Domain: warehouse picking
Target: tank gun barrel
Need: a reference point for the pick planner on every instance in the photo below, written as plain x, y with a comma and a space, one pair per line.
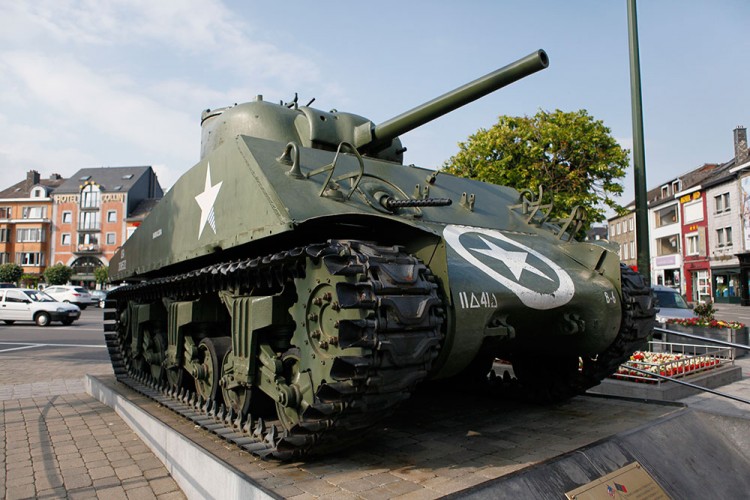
381, 134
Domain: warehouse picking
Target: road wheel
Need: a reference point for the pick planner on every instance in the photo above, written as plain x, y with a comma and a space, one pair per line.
42, 319
207, 376
9, 321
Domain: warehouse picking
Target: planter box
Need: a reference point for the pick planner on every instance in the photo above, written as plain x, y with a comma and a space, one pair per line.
738, 336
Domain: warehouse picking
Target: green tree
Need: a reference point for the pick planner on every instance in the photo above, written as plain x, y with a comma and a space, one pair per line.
30, 280
101, 274
570, 154
59, 274
10, 273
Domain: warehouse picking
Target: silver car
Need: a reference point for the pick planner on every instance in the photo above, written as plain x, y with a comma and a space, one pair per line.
21, 304
671, 305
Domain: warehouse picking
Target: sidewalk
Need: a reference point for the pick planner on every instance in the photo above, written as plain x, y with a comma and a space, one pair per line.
59, 442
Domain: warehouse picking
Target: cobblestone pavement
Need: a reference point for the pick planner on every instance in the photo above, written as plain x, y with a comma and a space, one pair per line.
59, 442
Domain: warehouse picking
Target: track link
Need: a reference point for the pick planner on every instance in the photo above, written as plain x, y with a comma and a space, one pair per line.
399, 339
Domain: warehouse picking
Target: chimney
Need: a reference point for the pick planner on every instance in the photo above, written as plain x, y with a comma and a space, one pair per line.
55, 177
32, 178
741, 154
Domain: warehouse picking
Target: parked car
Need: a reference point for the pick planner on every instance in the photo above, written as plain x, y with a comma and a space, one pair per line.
74, 294
8, 285
671, 305
100, 296
22, 304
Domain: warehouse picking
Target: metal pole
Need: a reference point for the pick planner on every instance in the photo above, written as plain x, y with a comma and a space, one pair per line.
639, 159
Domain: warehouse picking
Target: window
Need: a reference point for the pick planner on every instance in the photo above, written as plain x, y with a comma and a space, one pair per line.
6, 213
65, 240
33, 234
624, 252
4, 235
30, 258
722, 203
632, 250
630, 223
90, 196
664, 191
724, 237
88, 220
34, 212
67, 217
4, 257
127, 176
676, 186
668, 245
611, 231
619, 228
691, 244
88, 241
693, 211
111, 238
666, 216
15, 296
111, 216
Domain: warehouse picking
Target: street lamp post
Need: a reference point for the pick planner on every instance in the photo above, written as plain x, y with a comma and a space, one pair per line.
639, 160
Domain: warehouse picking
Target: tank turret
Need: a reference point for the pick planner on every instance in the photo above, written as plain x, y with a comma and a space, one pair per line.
312, 127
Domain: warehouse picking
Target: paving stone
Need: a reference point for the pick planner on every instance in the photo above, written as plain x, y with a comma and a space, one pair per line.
101, 472
83, 493
18, 492
112, 493
141, 493
127, 472
163, 485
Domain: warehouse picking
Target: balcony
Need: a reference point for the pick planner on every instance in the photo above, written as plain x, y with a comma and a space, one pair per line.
89, 227
87, 249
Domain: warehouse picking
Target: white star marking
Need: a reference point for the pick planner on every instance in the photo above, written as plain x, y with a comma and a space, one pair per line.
514, 261
206, 201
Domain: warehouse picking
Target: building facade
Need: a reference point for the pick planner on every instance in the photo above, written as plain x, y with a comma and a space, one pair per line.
696, 266
26, 225
90, 213
622, 232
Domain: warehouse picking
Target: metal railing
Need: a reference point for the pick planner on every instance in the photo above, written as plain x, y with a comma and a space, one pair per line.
665, 377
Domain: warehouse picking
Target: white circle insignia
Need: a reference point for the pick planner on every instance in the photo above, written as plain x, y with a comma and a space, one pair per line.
515, 261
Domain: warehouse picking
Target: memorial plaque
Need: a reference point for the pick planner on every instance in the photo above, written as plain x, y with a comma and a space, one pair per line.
631, 481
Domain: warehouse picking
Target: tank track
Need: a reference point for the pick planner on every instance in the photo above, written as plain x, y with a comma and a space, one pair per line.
402, 335
563, 381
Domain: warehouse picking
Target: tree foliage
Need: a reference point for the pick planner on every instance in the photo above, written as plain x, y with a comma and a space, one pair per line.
10, 273
101, 274
572, 155
59, 274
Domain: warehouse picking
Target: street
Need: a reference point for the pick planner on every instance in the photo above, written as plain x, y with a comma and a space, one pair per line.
54, 351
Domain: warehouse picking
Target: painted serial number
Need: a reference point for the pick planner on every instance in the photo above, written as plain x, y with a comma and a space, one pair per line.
477, 300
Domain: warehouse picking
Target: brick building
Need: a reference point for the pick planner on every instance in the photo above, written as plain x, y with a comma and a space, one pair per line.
26, 222
90, 215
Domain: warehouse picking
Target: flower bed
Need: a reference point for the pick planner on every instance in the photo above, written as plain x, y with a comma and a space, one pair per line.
705, 323
667, 364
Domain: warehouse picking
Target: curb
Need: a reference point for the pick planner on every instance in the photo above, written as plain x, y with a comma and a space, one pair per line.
198, 472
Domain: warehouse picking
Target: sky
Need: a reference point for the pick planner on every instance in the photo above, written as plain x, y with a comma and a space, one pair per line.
90, 83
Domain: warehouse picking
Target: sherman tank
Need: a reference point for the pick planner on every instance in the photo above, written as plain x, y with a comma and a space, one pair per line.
299, 282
